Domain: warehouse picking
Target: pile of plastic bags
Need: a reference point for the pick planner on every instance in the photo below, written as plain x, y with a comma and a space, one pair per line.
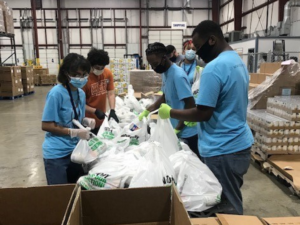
128, 157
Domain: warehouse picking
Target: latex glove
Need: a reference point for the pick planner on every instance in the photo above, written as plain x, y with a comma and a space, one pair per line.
177, 131
113, 115
160, 92
145, 113
100, 115
164, 111
80, 133
190, 124
89, 122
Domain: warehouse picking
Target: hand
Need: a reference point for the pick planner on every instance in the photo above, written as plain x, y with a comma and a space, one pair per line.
113, 115
164, 111
177, 131
89, 122
80, 133
100, 115
145, 113
190, 124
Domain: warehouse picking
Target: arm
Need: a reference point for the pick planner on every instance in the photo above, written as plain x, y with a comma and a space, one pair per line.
90, 109
157, 104
52, 127
112, 99
196, 114
188, 104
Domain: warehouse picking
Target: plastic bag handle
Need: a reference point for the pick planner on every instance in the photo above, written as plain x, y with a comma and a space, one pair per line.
78, 124
151, 113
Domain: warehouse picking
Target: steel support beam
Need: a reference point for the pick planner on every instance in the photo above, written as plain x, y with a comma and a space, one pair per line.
60, 41
281, 4
238, 4
225, 3
35, 31
216, 11
141, 48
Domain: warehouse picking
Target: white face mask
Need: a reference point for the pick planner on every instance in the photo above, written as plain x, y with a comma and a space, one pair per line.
98, 72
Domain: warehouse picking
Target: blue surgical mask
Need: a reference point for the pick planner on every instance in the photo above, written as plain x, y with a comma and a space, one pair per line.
78, 82
190, 54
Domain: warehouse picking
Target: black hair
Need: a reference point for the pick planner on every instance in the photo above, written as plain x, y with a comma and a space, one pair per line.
156, 48
98, 57
170, 49
71, 63
207, 28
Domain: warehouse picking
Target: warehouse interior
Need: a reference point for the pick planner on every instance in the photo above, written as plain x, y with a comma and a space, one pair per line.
37, 35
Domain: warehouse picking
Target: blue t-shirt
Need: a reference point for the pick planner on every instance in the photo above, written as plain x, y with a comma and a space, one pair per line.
189, 70
58, 109
224, 86
176, 87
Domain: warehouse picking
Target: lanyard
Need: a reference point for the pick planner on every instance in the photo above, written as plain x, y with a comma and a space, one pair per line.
72, 101
188, 72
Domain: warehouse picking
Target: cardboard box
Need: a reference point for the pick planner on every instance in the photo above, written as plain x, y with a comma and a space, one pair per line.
134, 206
10, 73
26, 72
145, 80
42, 71
270, 67
8, 17
36, 205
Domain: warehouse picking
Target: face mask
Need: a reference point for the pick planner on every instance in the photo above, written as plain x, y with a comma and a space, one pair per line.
205, 52
78, 82
173, 58
160, 68
98, 72
190, 54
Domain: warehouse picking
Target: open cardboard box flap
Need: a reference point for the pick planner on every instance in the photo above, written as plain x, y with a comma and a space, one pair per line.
136, 206
46, 205
282, 221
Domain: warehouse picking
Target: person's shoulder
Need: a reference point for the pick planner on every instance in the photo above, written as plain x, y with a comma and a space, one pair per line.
81, 92
58, 91
107, 71
177, 70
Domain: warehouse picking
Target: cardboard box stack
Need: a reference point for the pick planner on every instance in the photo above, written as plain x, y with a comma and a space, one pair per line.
53, 78
10, 81
145, 81
8, 17
37, 73
27, 79
266, 71
120, 69
2, 23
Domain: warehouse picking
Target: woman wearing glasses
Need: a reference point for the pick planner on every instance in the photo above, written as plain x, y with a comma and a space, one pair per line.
65, 102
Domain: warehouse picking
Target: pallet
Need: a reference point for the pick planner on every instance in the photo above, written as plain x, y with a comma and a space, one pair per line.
29, 93
45, 84
11, 97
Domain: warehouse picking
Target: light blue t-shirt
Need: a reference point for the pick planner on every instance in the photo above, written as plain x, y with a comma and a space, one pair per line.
224, 86
176, 87
58, 109
189, 70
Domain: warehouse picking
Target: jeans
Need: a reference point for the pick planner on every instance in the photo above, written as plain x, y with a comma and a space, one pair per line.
229, 170
192, 142
62, 171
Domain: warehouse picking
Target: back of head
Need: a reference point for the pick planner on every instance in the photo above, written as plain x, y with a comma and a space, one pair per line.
98, 57
71, 64
207, 28
156, 48
170, 49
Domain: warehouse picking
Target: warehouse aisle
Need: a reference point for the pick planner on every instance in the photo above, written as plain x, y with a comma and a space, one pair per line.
21, 161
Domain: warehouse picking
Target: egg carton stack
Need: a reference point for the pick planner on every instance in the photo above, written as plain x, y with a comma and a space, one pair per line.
287, 107
120, 69
274, 133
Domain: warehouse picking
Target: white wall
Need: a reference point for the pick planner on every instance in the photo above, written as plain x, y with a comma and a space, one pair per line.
156, 19
243, 47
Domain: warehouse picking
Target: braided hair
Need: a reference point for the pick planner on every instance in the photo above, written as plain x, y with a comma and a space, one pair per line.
156, 48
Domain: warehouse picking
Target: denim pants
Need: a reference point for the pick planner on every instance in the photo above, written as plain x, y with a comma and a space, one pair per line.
62, 171
229, 170
192, 142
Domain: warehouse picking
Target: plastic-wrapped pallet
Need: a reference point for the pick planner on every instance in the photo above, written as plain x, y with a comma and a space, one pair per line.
145, 81
287, 107
2, 24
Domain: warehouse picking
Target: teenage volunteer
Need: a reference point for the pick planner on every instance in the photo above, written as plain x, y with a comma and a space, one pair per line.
173, 55
225, 138
176, 91
65, 102
99, 87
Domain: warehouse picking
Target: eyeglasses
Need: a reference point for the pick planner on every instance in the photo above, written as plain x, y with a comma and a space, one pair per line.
79, 75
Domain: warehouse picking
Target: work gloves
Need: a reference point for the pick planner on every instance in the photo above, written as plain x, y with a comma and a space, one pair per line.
113, 115
145, 113
164, 111
89, 122
100, 115
80, 133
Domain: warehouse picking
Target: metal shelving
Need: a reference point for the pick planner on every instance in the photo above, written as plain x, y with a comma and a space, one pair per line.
13, 46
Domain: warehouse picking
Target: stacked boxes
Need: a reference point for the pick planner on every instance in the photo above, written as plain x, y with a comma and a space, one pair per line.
145, 81
53, 78
37, 73
11, 81
27, 79
120, 69
8, 17
2, 23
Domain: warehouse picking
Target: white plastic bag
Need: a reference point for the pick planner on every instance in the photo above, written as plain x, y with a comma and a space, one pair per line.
197, 185
131, 101
145, 102
154, 169
126, 116
165, 135
109, 129
196, 81
119, 103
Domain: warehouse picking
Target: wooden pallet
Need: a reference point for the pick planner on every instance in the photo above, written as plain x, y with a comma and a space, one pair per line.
45, 84
11, 97
29, 93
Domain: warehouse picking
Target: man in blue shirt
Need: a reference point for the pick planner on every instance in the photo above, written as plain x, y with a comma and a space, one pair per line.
177, 92
225, 139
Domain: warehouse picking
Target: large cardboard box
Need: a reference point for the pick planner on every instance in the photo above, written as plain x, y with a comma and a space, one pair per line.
7, 17
145, 81
27, 72
42, 71
136, 206
36, 205
10, 90
270, 67
10, 74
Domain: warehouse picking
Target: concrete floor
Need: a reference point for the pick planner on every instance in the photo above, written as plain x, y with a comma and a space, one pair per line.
21, 161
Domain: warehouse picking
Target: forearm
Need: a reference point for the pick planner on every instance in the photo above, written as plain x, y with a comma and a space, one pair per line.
89, 109
189, 115
157, 104
55, 129
189, 103
112, 99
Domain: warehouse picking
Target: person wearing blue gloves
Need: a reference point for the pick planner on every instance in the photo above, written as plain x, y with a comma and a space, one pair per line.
176, 92
225, 139
65, 102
